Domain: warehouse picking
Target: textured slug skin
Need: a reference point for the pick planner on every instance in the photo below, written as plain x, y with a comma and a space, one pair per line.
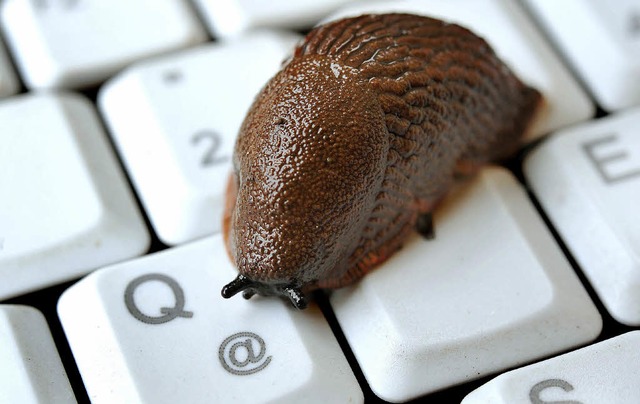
359, 134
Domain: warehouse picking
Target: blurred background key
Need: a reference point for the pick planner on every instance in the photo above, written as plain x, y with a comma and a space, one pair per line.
9, 84
78, 43
65, 207
30, 367
601, 41
232, 17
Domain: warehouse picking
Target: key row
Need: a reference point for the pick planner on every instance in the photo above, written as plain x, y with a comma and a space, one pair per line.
31, 370
183, 109
599, 42
493, 291
91, 48
175, 135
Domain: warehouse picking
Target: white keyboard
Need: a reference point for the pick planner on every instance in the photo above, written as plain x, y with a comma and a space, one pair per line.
117, 125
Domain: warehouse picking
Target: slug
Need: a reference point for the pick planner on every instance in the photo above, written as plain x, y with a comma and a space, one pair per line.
352, 144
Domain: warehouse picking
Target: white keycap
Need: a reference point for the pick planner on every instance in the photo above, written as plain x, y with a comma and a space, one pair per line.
65, 207
8, 80
490, 292
30, 367
156, 330
76, 43
607, 372
515, 39
232, 17
601, 40
175, 120
587, 180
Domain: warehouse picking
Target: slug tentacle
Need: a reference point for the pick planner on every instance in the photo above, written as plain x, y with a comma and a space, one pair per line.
296, 297
241, 283
348, 149
250, 288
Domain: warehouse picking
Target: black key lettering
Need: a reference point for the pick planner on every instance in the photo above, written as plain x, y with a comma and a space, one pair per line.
600, 162
172, 76
536, 391
168, 313
211, 155
43, 5
243, 353
634, 23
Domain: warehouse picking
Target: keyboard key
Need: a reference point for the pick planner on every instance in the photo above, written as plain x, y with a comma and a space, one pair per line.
232, 17
490, 292
175, 120
134, 326
65, 207
515, 39
30, 367
8, 81
607, 372
77, 43
587, 179
601, 42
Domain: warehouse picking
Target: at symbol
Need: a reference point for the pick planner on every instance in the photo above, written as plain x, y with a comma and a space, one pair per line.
243, 353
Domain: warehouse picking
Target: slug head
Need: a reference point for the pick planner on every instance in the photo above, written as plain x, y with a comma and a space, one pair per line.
308, 163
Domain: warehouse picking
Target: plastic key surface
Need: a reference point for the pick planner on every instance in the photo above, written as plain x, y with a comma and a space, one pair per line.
77, 43
30, 367
162, 318
515, 39
175, 119
601, 41
607, 372
490, 292
65, 207
233, 17
8, 80
587, 179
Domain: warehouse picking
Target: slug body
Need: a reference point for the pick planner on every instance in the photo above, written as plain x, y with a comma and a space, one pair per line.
352, 144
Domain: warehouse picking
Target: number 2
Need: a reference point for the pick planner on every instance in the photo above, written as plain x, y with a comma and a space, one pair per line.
211, 155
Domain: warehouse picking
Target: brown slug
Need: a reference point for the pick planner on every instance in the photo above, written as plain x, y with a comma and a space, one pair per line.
352, 144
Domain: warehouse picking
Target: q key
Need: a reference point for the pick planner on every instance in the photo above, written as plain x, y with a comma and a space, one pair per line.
134, 325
